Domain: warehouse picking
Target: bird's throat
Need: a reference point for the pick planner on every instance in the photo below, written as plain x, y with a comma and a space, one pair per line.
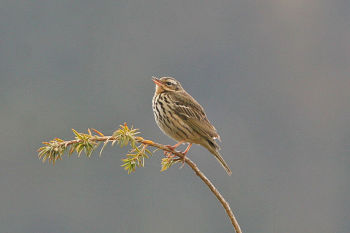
159, 89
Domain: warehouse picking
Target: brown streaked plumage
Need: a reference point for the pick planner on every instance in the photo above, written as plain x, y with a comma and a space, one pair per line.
182, 118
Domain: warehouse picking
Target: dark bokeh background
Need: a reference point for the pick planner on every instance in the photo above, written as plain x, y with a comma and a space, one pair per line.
272, 75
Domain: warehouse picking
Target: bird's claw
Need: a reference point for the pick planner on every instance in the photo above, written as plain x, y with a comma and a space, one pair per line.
169, 154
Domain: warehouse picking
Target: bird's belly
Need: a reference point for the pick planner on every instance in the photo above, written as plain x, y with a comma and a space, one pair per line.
172, 125
172, 133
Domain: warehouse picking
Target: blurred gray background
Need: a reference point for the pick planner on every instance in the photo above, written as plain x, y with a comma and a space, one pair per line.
272, 75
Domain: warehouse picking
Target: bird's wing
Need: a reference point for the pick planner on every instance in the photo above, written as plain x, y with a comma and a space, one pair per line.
193, 114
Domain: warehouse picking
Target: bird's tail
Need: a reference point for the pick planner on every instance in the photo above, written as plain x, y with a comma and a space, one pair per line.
213, 147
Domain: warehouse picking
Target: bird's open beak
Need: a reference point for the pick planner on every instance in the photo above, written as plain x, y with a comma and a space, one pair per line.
156, 81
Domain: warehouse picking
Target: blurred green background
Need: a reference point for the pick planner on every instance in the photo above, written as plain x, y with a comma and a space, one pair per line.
272, 75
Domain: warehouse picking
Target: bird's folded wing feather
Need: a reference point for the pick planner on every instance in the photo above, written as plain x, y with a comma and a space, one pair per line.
193, 114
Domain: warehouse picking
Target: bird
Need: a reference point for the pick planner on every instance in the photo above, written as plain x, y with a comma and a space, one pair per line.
183, 119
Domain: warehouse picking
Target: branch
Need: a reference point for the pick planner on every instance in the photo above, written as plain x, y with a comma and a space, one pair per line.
198, 172
55, 149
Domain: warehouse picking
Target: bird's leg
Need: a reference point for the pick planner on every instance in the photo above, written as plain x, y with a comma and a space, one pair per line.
168, 154
187, 149
175, 146
184, 153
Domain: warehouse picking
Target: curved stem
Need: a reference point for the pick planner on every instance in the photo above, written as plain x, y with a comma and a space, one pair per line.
199, 173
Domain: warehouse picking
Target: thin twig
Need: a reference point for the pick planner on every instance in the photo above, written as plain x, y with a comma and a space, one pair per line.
198, 172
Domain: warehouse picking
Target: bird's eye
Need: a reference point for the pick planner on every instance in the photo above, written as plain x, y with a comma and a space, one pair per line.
168, 83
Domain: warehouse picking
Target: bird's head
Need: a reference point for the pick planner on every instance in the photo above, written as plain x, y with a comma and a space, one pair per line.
167, 84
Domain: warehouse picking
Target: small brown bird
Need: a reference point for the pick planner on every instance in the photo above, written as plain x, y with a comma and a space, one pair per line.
182, 118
